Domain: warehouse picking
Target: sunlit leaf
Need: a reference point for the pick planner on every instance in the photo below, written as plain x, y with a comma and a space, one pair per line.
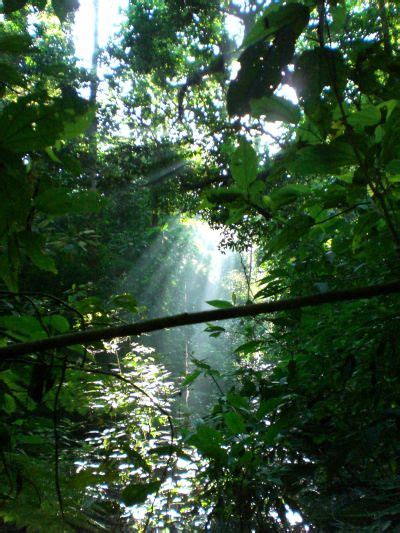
275, 108
190, 378
249, 347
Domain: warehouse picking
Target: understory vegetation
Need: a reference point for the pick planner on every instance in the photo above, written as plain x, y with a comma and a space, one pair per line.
240, 153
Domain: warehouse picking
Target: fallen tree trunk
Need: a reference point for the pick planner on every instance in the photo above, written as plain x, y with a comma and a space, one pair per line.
90, 336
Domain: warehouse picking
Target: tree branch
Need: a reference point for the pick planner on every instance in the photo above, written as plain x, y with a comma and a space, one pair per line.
95, 335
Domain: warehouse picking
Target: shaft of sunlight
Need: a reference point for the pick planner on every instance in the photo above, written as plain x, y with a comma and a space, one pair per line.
110, 18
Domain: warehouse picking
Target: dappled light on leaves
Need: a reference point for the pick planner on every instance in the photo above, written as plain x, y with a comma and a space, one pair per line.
199, 266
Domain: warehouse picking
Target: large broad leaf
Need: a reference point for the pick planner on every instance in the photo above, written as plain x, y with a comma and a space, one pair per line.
263, 63
59, 201
208, 441
33, 245
370, 115
125, 301
9, 6
316, 69
235, 423
237, 401
339, 16
63, 7
77, 123
85, 478
249, 347
32, 123
191, 377
288, 194
137, 493
219, 304
275, 108
391, 139
15, 43
292, 232
58, 323
262, 70
10, 75
323, 159
15, 194
276, 17
23, 326
244, 165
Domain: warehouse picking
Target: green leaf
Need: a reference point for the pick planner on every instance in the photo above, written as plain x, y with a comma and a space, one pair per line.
391, 139
63, 7
323, 159
15, 43
169, 450
235, 423
60, 201
339, 15
190, 378
35, 123
249, 347
393, 167
289, 194
24, 326
37, 440
273, 431
50, 152
9, 6
368, 116
261, 72
54, 201
293, 231
236, 400
208, 441
275, 108
136, 458
211, 328
313, 73
126, 301
244, 165
33, 244
10, 75
215, 331
77, 123
274, 18
85, 202
220, 304
9, 404
268, 406
136, 493
85, 478
201, 364
58, 323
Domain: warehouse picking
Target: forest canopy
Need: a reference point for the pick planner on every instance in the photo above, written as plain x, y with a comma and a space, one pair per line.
232, 167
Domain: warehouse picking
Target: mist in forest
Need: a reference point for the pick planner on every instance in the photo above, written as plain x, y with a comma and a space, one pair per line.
180, 272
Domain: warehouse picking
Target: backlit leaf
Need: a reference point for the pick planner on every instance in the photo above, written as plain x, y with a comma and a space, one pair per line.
244, 165
275, 108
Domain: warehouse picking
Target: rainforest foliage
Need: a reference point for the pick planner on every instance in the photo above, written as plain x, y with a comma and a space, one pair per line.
277, 123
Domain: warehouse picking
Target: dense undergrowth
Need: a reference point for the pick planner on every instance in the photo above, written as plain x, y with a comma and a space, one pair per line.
286, 143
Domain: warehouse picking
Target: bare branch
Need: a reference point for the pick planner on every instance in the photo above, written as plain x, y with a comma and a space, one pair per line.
95, 335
